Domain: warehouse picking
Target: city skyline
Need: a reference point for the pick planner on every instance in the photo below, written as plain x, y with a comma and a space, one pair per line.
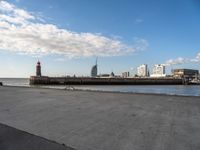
67, 36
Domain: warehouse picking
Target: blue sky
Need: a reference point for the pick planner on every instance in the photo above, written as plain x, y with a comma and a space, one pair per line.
68, 35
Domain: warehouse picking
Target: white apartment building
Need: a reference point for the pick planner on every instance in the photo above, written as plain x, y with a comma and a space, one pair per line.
158, 71
142, 70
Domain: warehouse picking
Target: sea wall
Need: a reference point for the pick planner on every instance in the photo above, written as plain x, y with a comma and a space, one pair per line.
34, 80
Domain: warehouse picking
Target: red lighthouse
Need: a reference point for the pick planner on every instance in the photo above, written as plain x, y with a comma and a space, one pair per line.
38, 69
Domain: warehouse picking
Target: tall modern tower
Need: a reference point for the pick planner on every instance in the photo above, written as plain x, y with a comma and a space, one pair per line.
158, 70
38, 69
142, 70
94, 70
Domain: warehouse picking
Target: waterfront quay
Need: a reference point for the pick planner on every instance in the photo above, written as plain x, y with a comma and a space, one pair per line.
44, 80
87, 120
181, 76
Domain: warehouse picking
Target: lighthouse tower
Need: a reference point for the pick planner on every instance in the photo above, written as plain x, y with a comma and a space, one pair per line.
38, 69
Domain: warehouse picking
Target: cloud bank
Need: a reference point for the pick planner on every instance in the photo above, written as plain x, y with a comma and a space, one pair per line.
23, 32
181, 60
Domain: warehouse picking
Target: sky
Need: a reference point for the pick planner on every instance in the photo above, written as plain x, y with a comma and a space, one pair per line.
67, 36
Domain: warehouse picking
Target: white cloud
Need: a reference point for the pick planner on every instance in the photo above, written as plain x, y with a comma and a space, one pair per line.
138, 21
181, 60
6, 6
23, 14
198, 56
140, 44
59, 59
23, 32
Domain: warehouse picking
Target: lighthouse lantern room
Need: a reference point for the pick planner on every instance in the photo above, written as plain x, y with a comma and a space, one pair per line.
38, 69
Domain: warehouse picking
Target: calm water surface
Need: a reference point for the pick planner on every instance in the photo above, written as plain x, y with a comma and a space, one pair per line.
190, 90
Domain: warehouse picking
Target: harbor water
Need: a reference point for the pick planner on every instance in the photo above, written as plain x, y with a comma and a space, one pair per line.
186, 90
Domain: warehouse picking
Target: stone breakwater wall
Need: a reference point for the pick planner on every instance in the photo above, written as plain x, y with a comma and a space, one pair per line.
44, 80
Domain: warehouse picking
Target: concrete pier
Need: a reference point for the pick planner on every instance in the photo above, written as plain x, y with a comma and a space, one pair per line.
44, 80
104, 120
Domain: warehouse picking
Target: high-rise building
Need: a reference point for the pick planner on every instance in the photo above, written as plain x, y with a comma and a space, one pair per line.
158, 70
142, 70
94, 70
38, 69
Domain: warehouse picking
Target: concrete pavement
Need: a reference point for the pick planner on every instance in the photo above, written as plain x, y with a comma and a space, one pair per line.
14, 139
104, 121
